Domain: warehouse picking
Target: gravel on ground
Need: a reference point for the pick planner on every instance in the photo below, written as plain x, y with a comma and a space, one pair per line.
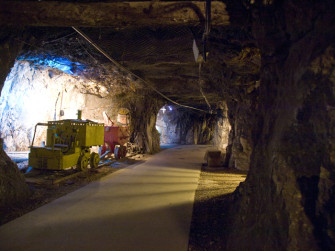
211, 201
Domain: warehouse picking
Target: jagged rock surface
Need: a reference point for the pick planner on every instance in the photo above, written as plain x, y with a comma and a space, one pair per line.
13, 188
240, 141
143, 109
33, 94
287, 199
282, 126
222, 128
182, 126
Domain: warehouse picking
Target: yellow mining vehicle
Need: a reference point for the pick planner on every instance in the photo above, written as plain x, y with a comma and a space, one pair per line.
68, 144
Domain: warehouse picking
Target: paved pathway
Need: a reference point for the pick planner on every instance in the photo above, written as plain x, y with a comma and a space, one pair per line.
142, 207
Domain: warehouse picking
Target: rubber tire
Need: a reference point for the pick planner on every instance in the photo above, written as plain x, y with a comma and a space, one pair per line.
116, 152
82, 163
120, 152
94, 160
123, 151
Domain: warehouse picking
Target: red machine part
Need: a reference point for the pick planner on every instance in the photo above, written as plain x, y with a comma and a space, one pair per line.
116, 135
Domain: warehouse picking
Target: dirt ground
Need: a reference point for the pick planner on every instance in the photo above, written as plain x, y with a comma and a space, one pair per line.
211, 198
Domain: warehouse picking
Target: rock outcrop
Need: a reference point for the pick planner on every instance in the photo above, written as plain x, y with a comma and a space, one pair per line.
33, 94
143, 107
222, 128
167, 125
287, 200
242, 119
13, 188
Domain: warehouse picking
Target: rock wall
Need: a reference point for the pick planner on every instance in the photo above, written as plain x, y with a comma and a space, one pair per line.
33, 94
143, 107
177, 125
13, 188
233, 74
10, 46
222, 128
202, 129
240, 145
167, 125
287, 201
233, 131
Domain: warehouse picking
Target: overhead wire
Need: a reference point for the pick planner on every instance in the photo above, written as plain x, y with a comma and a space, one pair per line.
116, 63
201, 91
57, 39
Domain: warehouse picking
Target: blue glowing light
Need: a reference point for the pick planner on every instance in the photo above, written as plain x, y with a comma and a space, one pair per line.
170, 107
59, 63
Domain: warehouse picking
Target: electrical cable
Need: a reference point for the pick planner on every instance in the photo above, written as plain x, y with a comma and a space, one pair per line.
57, 39
201, 91
131, 73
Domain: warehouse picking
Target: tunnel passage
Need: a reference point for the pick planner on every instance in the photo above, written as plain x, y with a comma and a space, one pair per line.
227, 130
178, 125
273, 65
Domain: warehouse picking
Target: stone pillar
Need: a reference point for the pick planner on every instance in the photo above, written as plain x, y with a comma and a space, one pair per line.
143, 114
287, 201
240, 143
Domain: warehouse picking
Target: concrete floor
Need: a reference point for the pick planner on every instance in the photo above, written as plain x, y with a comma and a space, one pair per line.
142, 207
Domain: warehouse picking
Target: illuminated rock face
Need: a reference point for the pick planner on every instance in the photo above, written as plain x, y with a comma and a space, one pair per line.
177, 125
33, 94
167, 125
241, 118
222, 130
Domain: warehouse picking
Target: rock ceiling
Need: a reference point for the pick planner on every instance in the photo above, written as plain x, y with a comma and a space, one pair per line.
154, 40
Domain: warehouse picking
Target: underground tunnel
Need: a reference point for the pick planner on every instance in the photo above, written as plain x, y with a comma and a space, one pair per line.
252, 80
